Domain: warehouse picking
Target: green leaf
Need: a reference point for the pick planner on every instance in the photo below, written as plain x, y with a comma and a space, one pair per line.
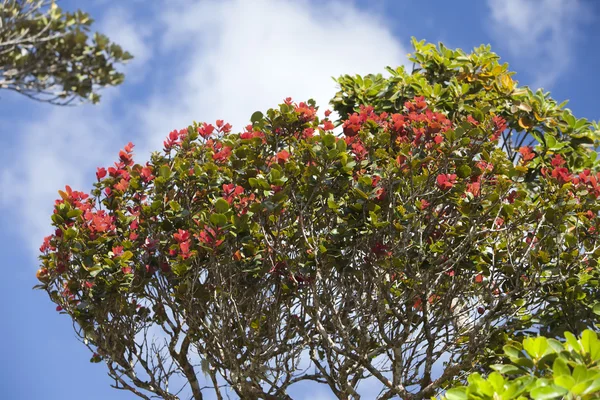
593, 387
506, 369
221, 205
590, 343
459, 393
560, 367
497, 382
464, 171
256, 116
536, 347
218, 219
164, 171
95, 270
328, 140
174, 206
547, 393
512, 352
573, 342
565, 381
74, 213
70, 234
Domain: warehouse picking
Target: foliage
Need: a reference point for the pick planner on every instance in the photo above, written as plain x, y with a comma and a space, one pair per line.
462, 84
407, 249
541, 369
49, 55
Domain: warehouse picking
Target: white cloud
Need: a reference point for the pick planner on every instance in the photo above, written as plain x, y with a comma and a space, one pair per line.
541, 32
118, 25
54, 151
246, 56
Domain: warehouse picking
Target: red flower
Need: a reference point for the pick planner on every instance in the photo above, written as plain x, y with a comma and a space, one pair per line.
100, 173
282, 156
352, 125
446, 181
500, 126
206, 130
185, 248
478, 278
424, 204
474, 188
527, 153
307, 113
223, 154
125, 155
380, 250
231, 191
209, 237
328, 125
117, 251
561, 174
472, 121
327, 113
417, 305
225, 128
122, 185
181, 235
172, 140
359, 150
146, 174
557, 160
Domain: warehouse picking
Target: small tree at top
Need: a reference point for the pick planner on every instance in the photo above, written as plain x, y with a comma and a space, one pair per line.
453, 213
49, 55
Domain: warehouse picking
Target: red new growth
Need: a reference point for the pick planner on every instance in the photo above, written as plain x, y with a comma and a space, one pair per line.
223, 154
282, 156
231, 191
206, 130
307, 113
146, 174
328, 125
181, 235
527, 153
446, 181
557, 160
100, 173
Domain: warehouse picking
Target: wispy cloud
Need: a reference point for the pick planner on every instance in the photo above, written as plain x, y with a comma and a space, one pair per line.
242, 56
541, 32
118, 24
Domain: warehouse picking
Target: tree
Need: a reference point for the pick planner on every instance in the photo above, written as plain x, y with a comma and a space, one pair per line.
49, 55
452, 215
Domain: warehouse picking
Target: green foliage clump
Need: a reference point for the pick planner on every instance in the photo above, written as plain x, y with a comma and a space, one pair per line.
50, 55
540, 369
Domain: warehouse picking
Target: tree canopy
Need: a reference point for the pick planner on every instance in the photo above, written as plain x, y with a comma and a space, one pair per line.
450, 214
50, 55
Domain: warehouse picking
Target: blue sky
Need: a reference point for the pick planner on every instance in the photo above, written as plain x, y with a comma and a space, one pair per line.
203, 60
